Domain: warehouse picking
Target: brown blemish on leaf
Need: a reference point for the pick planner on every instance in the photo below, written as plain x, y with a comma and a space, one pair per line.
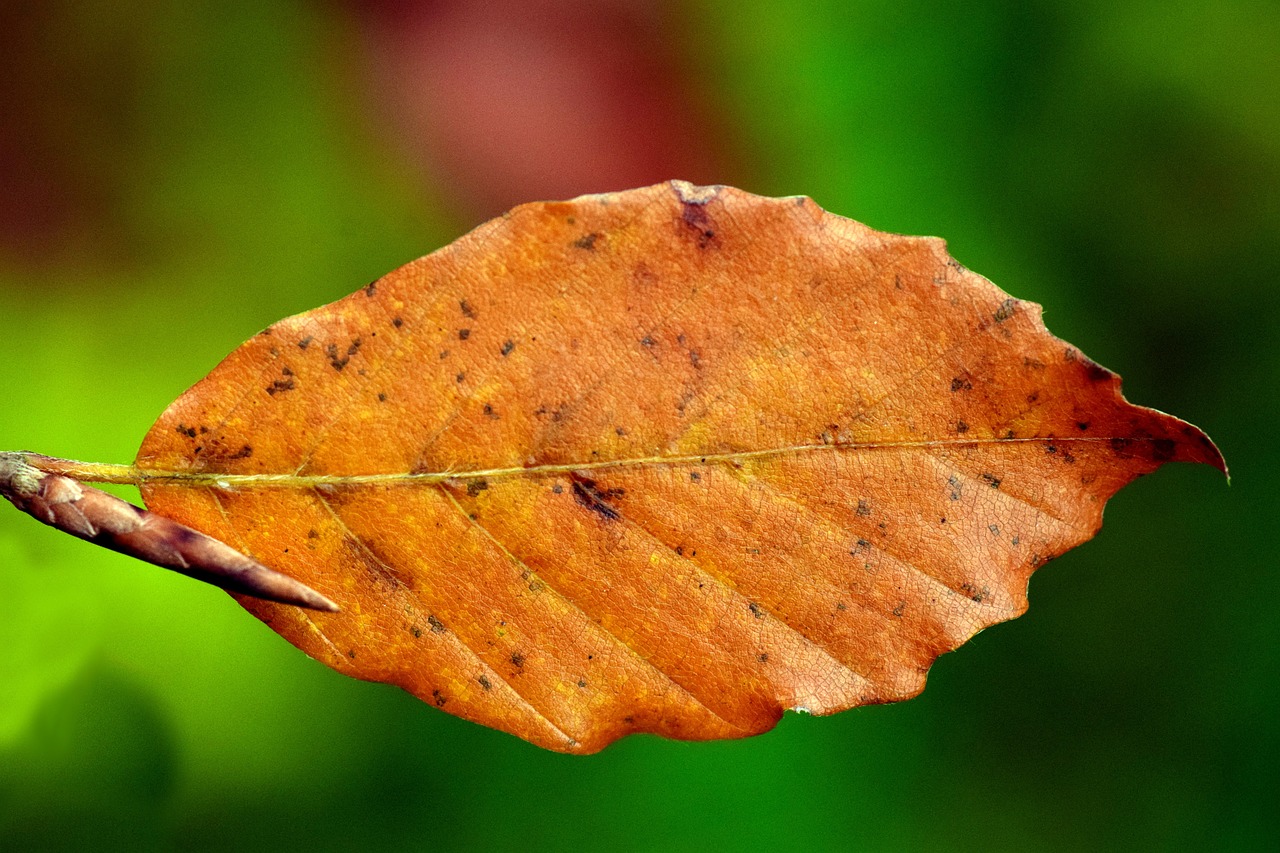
590, 495
284, 383
1006, 310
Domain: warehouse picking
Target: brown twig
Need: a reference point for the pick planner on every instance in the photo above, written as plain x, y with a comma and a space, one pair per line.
62, 502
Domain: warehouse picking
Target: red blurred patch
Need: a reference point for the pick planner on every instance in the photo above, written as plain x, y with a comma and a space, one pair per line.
543, 99
67, 90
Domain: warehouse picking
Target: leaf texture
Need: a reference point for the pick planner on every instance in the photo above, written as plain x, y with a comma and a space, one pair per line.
671, 460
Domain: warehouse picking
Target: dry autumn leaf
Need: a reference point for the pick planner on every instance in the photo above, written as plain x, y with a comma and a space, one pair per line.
671, 460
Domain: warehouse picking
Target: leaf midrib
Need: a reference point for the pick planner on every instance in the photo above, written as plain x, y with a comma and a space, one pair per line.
137, 475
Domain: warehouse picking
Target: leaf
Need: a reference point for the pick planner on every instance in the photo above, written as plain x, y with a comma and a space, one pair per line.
671, 460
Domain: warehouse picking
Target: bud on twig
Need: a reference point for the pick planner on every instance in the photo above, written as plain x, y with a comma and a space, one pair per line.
106, 520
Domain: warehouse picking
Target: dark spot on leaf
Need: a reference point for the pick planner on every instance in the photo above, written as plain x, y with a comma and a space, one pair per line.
517, 659
974, 593
1163, 449
897, 611
351, 653
695, 476
961, 426
961, 384
338, 362
588, 242
557, 489
954, 483
371, 288
619, 431
582, 683
1082, 425
756, 610
460, 377
280, 386
698, 223
484, 682
1096, 372
312, 534
397, 322
243, 453
992, 480
416, 631
994, 528
467, 310
589, 494
437, 627
647, 341
189, 432
1006, 310
864, 508
507, 347
763, 657
382, 398
463, 334
490, 413
305, 342
439, 698
695, 358
475, 487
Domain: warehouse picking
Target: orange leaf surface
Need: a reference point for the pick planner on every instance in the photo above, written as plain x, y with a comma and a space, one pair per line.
671, 460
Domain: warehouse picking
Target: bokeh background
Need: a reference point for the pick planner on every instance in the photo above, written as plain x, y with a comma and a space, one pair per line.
174, 176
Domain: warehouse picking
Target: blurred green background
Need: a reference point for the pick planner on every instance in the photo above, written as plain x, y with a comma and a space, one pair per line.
176, 176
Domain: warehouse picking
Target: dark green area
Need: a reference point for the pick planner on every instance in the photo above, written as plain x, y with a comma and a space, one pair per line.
1119, 163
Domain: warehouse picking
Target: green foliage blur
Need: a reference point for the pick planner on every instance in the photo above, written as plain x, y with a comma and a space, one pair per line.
217, 166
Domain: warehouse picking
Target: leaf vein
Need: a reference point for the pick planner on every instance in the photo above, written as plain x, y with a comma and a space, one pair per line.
575, 605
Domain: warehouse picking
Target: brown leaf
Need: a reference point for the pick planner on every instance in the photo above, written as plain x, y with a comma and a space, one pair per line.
671, 460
